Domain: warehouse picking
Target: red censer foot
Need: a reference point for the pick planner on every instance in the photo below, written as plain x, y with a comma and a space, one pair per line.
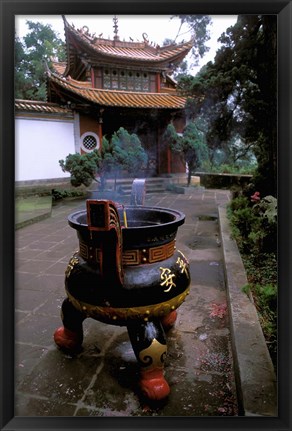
169, 320
68, 340
153, 384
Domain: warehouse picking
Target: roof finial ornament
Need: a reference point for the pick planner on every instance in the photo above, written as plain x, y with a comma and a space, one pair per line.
145, 37
115, 19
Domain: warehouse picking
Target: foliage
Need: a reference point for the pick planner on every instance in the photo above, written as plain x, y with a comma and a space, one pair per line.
254, 226
38, 47
128, 152
225, 168
198, 27
190, 146
236, 96
198, 24
267, 209
82, 167
59, 194
123, 152
265, 299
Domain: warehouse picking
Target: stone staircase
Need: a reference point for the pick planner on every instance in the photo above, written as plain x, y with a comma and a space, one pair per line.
153, 185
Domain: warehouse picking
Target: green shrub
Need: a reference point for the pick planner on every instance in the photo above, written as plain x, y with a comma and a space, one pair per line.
123, 151
265, 297
261, 268
254, 226
239, 203
225, 168
59, 194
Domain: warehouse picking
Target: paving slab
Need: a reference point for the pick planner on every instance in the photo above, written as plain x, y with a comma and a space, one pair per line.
101, 379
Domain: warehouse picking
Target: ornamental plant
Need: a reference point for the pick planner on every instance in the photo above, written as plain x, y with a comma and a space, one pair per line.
123, 152
190, 146
82, 167
254, 222
254, 227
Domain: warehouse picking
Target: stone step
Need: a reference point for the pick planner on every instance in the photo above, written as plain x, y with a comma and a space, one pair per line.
153, 185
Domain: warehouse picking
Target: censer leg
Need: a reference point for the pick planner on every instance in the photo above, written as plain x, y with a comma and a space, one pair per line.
70, 336
169, 320
149, 345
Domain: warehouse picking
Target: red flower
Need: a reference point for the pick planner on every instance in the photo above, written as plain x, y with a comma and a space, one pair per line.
218, 310
255, 197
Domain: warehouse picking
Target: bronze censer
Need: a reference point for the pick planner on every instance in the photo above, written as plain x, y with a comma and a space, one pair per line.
126, 272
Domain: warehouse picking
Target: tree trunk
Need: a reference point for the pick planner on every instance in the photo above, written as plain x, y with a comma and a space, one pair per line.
189, 176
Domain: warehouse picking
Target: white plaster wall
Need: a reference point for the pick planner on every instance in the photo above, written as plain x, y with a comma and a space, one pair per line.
39, 145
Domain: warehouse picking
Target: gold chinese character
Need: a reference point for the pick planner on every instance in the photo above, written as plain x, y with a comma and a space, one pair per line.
182, 265
73, 261
167, 277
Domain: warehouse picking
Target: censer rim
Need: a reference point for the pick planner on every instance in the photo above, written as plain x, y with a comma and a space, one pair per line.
178, 220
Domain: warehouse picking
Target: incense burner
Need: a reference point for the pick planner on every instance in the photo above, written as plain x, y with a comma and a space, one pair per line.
126, 272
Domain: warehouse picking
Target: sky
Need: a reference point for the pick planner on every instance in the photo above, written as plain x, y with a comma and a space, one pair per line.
157, 28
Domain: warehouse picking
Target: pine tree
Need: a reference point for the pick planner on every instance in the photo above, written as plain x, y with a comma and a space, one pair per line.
237, 94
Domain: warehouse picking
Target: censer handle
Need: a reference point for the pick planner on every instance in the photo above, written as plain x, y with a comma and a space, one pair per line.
104, 223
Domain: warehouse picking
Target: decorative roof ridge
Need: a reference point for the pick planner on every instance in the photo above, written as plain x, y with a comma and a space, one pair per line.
82, 84
66, 29
34, 102
59, 67
171, 79
40, 106
122, 43
58, 62
178, 45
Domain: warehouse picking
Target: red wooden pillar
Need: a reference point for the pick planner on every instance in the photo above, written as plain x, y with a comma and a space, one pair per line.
92, 78
158, 84
168, 155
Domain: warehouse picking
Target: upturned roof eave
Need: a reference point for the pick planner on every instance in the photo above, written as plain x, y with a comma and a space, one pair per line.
176, 52
118, 98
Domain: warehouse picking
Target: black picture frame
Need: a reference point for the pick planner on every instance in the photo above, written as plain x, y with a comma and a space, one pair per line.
8, 10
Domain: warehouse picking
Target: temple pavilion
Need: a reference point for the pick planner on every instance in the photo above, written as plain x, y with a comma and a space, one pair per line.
110, 83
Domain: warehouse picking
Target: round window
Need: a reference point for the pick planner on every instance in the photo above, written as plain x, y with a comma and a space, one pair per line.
89, 141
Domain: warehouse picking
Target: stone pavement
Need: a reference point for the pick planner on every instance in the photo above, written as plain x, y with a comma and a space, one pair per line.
101, 380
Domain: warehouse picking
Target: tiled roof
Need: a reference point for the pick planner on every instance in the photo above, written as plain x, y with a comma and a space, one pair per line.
132, 51
143, 52
59, 67
115, 98
40, 106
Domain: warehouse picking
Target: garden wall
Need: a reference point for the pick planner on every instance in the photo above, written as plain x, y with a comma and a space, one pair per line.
39, 145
